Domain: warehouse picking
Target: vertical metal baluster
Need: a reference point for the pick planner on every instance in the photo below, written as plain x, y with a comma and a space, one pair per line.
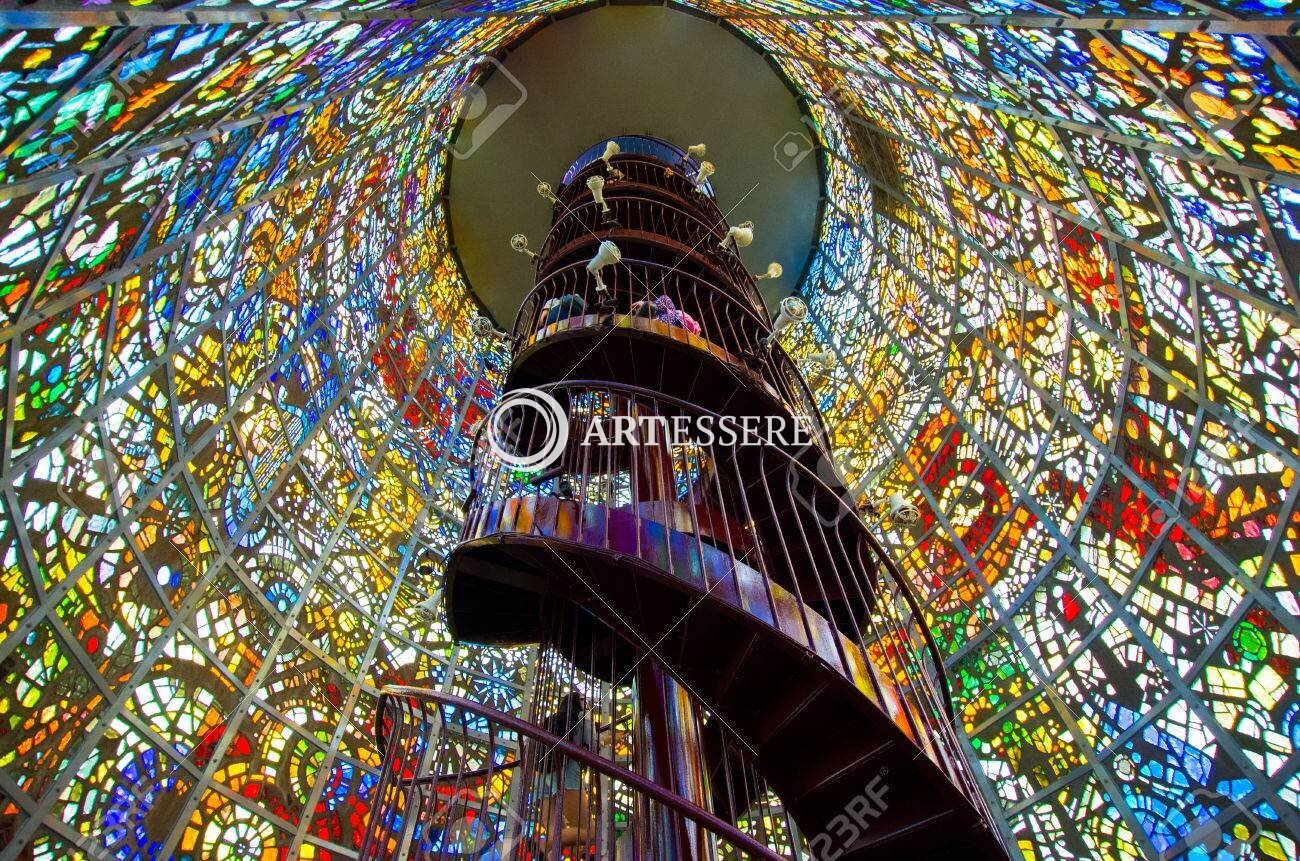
693, 508
480, 835
785, 550
840, 565
813, 568
760, 562
628, 404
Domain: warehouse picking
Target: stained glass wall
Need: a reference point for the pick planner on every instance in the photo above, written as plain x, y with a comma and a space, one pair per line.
1058, 267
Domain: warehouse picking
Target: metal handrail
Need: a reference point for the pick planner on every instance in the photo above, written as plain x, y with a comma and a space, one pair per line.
762, 326
726, 321
631, 146
830, 564
467, 775
553, 744
915, 607
635, 211
644, 171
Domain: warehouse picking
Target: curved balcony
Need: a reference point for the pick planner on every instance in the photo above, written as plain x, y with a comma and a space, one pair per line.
783, 545
651, 150
792, 637
646, 175
692, 340
653, 227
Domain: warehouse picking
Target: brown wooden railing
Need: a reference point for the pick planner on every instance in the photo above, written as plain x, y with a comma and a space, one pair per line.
748, 525
476, 809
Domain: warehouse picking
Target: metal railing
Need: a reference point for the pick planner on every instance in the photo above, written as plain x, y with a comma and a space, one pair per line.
650, 296
748, 524
615, 683
643, 173
442, 795
634, 217
649, 150
650, 215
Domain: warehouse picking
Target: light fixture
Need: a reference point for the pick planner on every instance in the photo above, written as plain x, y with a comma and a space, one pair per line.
822, 362
774, 270
793, 310
901, 511
825, 358
547, 193
519, 242
611, 149
893, 509
606, 255
696, 151
739, 236
482, 328
597, 185
427, 610
706, 170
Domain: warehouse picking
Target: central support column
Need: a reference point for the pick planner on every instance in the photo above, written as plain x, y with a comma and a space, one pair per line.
673, 756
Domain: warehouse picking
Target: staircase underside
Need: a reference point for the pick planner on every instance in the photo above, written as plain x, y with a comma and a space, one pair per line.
854, 779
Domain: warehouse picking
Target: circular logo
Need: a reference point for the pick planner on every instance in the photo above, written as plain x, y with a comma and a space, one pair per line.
522, 441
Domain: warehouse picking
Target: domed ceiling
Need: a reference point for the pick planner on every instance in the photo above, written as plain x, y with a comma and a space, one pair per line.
575, 83
1057, 264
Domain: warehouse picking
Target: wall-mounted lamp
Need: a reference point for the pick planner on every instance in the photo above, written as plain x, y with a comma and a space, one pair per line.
606, 255
902, 511
774, 270
519, 242
739, 236
893, 509
825, 358
611, 149
706, 170
793, 311
597, 185
481, 328
547, 193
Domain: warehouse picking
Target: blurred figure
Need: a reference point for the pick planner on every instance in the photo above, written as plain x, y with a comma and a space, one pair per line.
562, 776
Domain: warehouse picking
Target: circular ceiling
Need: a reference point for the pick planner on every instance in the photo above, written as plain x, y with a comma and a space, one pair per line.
628, 70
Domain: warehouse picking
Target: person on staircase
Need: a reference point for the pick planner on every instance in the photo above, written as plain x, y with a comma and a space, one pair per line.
562, 776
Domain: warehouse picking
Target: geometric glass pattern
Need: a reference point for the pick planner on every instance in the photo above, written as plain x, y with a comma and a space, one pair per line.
1058, 268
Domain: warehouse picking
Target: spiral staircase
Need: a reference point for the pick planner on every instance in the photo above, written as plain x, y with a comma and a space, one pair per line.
759, 679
